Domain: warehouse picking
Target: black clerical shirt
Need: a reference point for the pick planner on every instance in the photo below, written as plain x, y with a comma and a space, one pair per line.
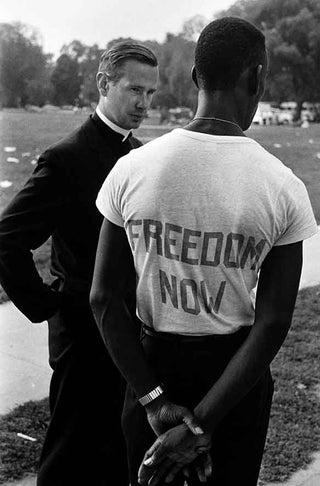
59, 201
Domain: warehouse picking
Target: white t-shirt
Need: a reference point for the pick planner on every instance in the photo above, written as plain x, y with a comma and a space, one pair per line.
201, 212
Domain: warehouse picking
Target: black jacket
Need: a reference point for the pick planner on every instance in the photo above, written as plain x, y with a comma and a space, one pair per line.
59, 200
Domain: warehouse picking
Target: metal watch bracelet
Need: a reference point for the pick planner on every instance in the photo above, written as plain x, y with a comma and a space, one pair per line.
149, 397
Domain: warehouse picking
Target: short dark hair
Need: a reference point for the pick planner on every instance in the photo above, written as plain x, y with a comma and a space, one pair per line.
225, 48
112, 59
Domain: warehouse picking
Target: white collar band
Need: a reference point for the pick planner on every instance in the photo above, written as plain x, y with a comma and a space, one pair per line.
112, 125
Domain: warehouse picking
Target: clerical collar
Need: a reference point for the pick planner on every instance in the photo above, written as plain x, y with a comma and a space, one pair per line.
113, 126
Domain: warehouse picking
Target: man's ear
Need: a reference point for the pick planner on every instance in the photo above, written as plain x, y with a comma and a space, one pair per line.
102, 83
256, 80
194, 76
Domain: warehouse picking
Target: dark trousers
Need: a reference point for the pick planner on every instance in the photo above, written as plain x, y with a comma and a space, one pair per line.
84, 444
188, 370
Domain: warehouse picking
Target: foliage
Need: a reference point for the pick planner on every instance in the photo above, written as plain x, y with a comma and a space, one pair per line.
192, 27
66, 80
292, 30
87, 58
176, 60
24, 73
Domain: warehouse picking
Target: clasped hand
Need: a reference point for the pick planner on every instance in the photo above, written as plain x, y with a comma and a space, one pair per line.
163, 414
181, 443
172, 452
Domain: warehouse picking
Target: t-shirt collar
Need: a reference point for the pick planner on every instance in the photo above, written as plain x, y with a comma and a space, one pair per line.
113, 126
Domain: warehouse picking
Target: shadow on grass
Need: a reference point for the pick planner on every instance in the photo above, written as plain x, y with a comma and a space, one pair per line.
294, 432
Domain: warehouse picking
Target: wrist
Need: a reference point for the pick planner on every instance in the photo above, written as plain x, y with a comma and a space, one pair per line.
157, 404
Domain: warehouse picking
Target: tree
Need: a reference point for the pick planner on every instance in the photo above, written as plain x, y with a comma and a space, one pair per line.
75, 50
192, 27
23, 65
88, 58
176, 59
292, 30
88, 69
296, 56
66, 81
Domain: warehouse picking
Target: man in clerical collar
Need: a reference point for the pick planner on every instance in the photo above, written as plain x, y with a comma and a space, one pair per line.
84, 439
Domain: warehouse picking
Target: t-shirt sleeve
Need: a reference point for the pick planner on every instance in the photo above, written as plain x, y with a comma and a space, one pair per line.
109, 197
298, 221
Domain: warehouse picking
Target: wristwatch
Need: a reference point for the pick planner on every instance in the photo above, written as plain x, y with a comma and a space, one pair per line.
149, 397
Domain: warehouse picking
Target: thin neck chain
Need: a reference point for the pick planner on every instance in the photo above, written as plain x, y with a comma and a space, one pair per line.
217, 119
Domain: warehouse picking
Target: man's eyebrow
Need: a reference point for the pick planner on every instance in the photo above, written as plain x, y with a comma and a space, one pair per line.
134, 85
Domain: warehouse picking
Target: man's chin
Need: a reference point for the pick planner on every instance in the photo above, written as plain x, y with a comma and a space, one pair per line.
136, 121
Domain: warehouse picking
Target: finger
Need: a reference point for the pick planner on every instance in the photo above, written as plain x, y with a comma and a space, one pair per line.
201, 474
154, 454
192, 424
207, 465
160, 472
144, 474
146, 470
173, 472
203, 467
150, 461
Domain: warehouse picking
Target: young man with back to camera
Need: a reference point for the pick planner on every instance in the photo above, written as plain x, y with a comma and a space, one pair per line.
204, 211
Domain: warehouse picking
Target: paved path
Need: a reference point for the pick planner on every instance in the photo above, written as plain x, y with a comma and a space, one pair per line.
25, 373
311, 263
24, 369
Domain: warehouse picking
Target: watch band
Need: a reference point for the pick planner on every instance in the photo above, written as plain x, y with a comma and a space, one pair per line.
149, 397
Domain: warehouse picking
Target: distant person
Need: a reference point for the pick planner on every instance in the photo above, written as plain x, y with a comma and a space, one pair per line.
84, 440
204, 211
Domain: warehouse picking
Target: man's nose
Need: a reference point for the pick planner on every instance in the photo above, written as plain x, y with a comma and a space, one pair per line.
143, 102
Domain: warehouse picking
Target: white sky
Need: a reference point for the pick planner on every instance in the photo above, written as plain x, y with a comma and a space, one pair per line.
99, 21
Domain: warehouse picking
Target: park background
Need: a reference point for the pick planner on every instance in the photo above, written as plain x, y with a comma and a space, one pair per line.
44, 95
31, 77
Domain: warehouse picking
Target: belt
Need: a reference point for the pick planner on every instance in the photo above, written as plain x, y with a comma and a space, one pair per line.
181, 338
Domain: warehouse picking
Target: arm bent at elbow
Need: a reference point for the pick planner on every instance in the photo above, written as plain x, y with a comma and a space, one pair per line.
121, 333
276, 296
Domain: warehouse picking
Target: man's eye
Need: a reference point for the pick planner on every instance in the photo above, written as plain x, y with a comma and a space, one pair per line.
136, 90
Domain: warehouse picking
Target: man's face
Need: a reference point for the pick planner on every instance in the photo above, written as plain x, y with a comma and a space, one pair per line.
128, 99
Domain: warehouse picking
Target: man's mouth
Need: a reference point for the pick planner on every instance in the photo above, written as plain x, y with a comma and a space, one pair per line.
139, 115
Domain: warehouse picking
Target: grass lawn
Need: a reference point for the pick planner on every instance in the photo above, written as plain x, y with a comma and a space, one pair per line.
294, 430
